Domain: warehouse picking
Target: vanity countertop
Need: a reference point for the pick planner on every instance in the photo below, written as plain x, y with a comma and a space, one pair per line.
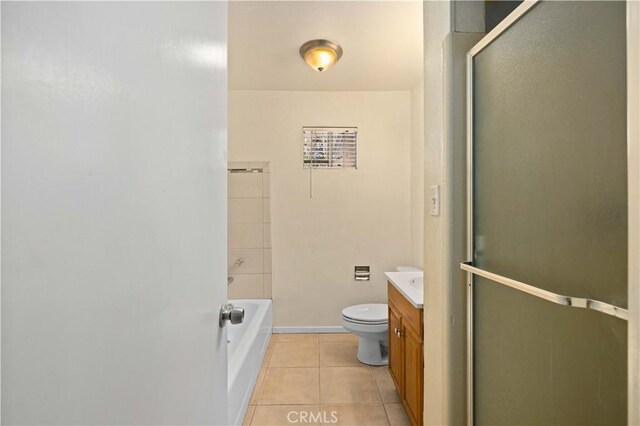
410, 284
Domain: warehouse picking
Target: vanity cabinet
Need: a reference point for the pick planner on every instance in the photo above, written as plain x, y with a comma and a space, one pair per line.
406, 361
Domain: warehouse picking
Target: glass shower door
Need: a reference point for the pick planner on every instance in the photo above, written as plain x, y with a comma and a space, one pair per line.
548, 217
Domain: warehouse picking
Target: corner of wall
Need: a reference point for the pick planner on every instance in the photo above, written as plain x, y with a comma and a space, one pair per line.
468, 16
444, 124
437, 24
417, 175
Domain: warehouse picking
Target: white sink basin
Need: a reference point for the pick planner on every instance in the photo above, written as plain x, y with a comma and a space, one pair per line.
417, 282
410, 284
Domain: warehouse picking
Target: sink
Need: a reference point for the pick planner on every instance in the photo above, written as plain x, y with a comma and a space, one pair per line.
410, 284
417, 282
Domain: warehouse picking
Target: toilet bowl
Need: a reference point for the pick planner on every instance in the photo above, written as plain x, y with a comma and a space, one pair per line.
370, 322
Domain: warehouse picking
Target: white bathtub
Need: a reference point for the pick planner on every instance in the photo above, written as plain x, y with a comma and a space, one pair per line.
247, 345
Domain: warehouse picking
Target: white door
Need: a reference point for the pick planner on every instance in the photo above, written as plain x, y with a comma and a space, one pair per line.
113, 212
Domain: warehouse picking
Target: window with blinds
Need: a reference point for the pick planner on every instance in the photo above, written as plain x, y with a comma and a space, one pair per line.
330, 147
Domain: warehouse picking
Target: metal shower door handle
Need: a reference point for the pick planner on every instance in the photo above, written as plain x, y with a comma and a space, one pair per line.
576, 302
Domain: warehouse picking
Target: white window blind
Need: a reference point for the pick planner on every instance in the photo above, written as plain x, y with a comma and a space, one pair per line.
330, 147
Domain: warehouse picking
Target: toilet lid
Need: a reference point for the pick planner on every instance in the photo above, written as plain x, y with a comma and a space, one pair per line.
369, 312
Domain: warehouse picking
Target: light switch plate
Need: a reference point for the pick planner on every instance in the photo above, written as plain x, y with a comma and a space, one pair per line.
434, 200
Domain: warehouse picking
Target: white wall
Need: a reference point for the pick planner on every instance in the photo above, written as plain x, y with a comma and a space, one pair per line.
356, 217
437, 24
113, 212
417, 175
444, 309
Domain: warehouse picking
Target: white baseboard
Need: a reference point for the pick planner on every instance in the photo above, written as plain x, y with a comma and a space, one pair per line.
316, 329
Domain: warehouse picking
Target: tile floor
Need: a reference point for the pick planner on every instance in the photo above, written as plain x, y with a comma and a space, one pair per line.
316, 379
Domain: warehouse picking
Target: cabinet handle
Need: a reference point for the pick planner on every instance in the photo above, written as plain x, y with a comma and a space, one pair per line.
398, 333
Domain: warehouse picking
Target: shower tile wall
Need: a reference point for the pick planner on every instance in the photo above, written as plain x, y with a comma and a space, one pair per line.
249, 231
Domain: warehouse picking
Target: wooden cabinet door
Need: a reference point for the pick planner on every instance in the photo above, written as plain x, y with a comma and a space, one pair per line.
395, 349
413, 375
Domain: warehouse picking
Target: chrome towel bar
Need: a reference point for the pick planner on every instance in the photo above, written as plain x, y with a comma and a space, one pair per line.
576, 302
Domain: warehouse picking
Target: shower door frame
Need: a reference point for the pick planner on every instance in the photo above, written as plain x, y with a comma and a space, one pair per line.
631, 314
633, 167
503, 26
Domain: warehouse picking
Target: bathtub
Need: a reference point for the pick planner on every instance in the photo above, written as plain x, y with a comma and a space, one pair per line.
245, 351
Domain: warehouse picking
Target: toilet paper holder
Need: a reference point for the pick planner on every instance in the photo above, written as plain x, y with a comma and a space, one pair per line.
362, 273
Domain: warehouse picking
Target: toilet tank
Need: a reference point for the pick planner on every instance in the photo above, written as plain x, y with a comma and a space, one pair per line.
407, 269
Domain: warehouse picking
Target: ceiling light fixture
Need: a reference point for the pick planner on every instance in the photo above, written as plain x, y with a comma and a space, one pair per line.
320, 54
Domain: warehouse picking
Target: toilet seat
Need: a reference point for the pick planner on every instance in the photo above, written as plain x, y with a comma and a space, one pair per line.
366, 329
352, 321
368, 313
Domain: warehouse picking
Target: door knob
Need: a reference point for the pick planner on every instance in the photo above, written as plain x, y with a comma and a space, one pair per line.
230, 313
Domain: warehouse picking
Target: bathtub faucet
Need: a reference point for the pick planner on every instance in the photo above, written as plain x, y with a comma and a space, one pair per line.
239, 262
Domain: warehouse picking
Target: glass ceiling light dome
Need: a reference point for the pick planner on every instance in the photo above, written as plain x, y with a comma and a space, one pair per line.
320, 54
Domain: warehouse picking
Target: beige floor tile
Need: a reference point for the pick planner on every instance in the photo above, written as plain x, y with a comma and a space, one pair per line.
345, 385
272, 340
337, 337
285, 415
294, 338
267, 356
356, 414
397, 415
339, 354
294, 355
248, 415
290, 386
385, 383
258, 387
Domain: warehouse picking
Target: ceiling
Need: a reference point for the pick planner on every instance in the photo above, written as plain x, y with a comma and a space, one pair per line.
382, 42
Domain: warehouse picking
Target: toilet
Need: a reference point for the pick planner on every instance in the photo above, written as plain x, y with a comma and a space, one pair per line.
408, 269
370, 323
